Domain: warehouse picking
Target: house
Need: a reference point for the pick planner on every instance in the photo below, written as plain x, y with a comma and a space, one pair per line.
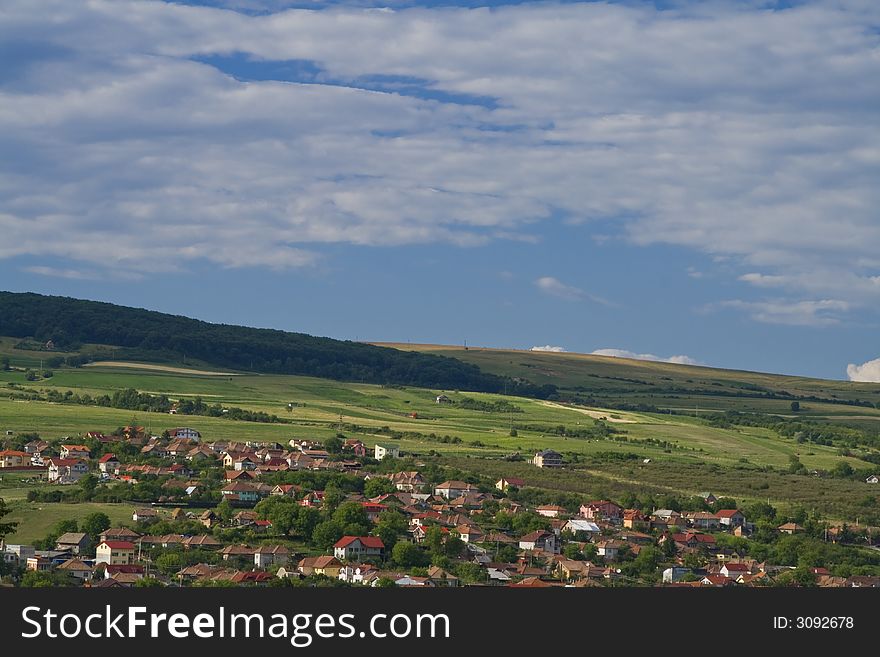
354, 446
506, 482
373, 510
708, 498
791, 528
119, 534
76, 568
157, 450
200, 453
115, 553
245, 463
702, 520
75, 452
244, 518
548, 459
675, 574
443, 399
383, 451
440, 577
10, 458
453, 489
144, 515
576, 525
601, 510
237, 551
355, 548
73, 542
734, 570
356, 573
38, 564
66, 471
108, 463
208, 518
469, 534
285, 490
873, 479
539, 540
731, 518
323, 565
241, 491
610, 550
185, 433
36, 447
408, 482
267, 555
550, 510
635, 519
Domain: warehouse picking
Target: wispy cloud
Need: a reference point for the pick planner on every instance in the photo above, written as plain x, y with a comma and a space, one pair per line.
548, 347
824, 312
556, 288
866, 372
624, 353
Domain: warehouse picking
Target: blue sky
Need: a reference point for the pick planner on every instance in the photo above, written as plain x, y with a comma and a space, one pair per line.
687, 180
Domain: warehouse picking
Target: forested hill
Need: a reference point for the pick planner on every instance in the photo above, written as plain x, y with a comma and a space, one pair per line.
149, 335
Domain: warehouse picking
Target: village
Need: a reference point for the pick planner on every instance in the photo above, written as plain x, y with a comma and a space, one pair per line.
338, 513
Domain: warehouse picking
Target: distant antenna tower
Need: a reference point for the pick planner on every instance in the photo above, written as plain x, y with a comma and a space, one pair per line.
465, 345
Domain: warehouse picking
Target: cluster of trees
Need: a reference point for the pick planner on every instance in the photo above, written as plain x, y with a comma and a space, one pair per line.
72, 322
499, 406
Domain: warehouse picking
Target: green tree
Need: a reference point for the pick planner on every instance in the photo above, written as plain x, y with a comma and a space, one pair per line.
795, 406
4, 364
280, 511
389, 526
6, 528
352, 517
147, 582
225, 511
94, 524
407, 555
573, 552
377, 486
333, 445
88, 483
326, 534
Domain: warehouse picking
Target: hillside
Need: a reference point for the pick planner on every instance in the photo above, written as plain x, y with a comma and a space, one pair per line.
646, 385
74, 325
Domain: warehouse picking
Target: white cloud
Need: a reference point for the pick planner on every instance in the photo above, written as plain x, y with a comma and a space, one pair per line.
866, 372
624, 353
547, 347
557, 288
763, 155
823, 312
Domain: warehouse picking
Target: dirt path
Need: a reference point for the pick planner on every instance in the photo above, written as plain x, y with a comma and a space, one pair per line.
156, 368
599, 415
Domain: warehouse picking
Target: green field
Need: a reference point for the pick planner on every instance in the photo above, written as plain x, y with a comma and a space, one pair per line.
680, 387
686, 454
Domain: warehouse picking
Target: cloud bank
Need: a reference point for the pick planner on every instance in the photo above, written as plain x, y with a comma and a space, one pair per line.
199, 133
547, 347
866, 372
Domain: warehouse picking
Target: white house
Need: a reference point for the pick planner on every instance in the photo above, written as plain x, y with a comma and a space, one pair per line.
185, 433
66, 471
355, 548
268, 555
382, 451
